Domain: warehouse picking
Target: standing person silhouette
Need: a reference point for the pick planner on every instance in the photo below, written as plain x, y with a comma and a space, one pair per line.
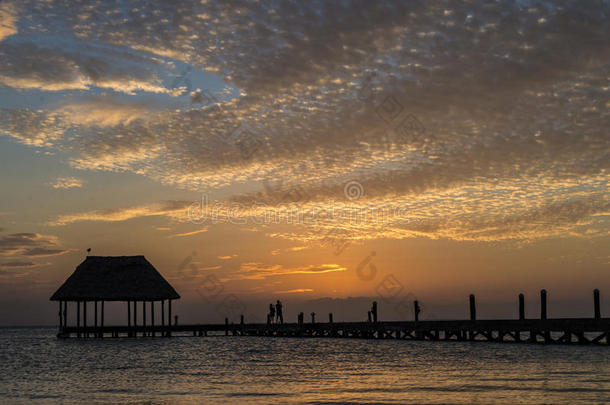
271, 312
278, 312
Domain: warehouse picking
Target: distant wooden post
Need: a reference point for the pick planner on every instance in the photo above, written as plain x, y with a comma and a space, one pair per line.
226, 326
241, 320
416, 310
313, 317
78, 318
169, 318
152, 316
473, 308
597, 312
330, 317
300, 320
370, 317
95, 316
65, 314
543, 304
144, 317
175, 320
521, 306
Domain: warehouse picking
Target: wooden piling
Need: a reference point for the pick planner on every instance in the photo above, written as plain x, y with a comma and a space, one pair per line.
95, 316
102, 319
226, 326
473, 308
61, 324
543, 304
65, 313
330, 317
521, 306
416, 310
144, 318
313, 317
78, 318
596, 308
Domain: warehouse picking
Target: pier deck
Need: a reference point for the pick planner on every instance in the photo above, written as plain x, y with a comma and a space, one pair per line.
545, 331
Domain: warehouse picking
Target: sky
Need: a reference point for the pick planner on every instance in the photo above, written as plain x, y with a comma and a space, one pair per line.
325, 153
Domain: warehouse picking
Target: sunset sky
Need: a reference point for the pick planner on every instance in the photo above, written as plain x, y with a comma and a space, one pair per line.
323, 153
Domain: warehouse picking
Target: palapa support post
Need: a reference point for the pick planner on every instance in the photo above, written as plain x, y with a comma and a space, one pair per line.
61, 324
473, 308
65, 314
152, 317
128, 318
543, 304
163, 317
596, 308
135, 319
169, 318
77, 318
226, 326
330, 317
521, 307
416, 310
102, 321
85, 318
144, 318
95, 316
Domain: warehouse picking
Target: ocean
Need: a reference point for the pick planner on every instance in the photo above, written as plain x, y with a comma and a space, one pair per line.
36, 367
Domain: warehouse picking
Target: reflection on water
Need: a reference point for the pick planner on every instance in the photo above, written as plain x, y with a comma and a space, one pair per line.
34, 366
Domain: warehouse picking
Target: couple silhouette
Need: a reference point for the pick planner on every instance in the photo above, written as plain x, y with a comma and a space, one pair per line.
275, 313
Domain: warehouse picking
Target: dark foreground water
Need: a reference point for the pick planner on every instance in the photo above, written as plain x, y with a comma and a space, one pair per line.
36, 367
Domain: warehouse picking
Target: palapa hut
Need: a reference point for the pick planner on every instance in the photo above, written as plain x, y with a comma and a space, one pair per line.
115, 278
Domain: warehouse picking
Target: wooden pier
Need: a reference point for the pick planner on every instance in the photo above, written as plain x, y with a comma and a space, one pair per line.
547, 331
583, 331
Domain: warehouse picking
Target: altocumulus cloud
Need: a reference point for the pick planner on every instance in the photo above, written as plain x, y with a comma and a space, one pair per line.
511, 140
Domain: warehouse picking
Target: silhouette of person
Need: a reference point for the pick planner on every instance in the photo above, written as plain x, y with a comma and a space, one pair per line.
278, 312
271, 312
374, 311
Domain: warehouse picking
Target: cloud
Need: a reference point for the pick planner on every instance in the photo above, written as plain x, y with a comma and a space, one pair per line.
22, 249
8, 20
459, 121
202, 230
259, 271
173, 209
17, 264
297, 290
30, 66
66, 183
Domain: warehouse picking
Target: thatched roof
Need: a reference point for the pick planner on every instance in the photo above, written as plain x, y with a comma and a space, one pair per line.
115, 278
